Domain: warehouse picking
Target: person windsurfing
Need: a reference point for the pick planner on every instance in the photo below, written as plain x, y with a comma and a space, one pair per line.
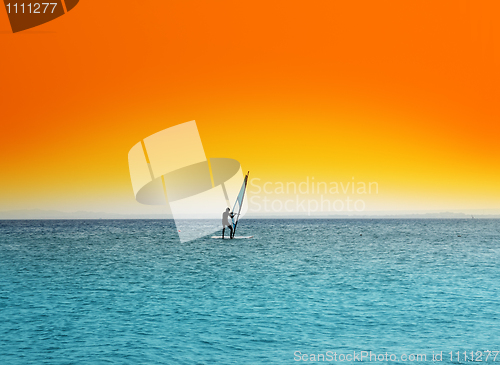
227, 223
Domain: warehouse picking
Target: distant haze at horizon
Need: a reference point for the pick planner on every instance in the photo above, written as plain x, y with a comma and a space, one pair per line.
54, 214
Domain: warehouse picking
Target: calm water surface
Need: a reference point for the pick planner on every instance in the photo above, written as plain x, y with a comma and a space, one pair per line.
127, 292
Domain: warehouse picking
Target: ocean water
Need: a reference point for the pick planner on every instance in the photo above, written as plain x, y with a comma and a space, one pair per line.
127, 292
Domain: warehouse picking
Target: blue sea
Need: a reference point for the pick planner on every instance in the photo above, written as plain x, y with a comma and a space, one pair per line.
128, 292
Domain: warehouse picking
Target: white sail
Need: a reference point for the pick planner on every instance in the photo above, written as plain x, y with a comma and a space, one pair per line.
239, 203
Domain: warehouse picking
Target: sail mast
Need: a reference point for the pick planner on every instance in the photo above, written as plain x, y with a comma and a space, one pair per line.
239, 201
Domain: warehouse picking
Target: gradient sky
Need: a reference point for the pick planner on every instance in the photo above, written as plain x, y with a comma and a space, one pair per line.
402, 93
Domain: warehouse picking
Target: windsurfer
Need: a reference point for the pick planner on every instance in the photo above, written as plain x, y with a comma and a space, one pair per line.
227, 223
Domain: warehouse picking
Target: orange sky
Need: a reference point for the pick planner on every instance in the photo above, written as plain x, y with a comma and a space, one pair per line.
402, 93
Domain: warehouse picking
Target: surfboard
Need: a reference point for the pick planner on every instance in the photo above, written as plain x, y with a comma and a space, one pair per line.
235, 238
